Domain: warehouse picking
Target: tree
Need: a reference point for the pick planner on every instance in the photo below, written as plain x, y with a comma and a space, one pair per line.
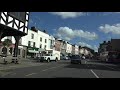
7, 42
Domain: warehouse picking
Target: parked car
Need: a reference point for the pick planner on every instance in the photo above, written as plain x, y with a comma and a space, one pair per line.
64, 57
75, 59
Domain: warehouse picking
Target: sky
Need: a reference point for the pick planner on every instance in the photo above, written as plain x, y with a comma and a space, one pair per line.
80, 28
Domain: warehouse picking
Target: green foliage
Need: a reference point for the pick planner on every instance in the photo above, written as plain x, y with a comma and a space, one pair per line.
7, 42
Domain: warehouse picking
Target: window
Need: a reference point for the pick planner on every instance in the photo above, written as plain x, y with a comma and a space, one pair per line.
33, 44
40, 45
32, 36
45, 40
41, 39
51, 42
45, 47
29, 43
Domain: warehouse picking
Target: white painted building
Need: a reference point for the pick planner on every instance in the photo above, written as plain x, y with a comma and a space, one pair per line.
34, 42
43, 40
85, 52
68, 48
51, 43
76, 50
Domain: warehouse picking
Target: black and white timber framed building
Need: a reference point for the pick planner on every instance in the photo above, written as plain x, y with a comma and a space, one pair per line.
14, 24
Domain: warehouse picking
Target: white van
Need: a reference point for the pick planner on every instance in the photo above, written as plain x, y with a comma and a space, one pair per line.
50, 55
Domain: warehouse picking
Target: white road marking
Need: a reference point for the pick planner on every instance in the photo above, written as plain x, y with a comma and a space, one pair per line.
51, 68
94, 74
30, 74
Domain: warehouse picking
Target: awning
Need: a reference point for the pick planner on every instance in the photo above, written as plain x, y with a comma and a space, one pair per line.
33, 50
41, 50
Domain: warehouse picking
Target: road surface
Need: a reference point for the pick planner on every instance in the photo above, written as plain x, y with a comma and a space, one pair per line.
64, 69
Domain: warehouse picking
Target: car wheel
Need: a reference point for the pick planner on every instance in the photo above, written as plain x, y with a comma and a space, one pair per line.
48, 60
106, 60
56, 59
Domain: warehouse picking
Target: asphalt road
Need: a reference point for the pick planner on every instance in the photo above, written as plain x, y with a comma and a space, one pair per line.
64, 69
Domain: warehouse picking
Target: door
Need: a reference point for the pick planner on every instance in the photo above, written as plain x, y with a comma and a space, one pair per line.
23, 53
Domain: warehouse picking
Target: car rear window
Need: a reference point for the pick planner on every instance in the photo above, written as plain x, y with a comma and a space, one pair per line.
75, 57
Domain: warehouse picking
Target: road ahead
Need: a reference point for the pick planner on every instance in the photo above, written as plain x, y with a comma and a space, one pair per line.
64, 69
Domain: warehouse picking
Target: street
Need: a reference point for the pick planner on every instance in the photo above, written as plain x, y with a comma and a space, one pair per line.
64, 69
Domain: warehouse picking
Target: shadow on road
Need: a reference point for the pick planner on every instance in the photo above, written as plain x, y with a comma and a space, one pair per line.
64, 62
93, 66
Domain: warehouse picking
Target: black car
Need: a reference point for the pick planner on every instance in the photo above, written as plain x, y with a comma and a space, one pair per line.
75, 59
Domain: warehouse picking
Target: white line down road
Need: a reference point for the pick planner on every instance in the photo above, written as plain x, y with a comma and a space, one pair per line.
30, 74
94, 74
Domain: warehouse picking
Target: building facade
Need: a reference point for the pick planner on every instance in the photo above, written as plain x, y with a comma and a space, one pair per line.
13, 24
33, 43
115, 44
41, 40
51, 42
87, 52
73, 49
57, 45
76, 50
68, 48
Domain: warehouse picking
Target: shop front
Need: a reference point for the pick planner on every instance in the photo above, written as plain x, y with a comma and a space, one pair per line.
32, 52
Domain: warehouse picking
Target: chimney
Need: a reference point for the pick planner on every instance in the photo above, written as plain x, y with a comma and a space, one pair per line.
109, 42
44, 31
34, 29
104, 42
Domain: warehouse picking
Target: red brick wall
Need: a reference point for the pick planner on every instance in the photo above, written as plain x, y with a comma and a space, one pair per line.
57, 45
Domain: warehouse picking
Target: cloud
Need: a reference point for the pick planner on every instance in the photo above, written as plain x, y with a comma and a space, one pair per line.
30, 21
114, 29
87, 45
117, 12
65, 15
109, 13
95, 48
84, 44
68, 34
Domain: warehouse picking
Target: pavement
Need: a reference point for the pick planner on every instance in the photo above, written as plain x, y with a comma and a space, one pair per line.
28, 62
64, 69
